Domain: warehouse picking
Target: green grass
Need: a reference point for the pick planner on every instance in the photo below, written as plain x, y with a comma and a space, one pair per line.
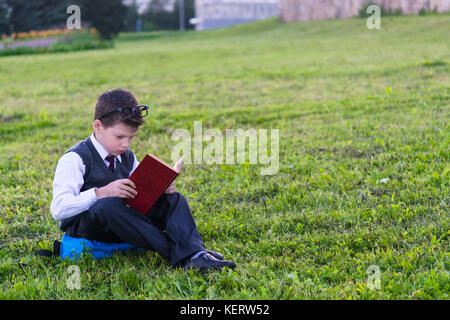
353, 107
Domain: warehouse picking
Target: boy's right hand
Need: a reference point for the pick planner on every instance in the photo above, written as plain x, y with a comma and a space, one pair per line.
122, 188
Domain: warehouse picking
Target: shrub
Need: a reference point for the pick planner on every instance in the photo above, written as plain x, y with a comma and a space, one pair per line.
424, 12
384, 11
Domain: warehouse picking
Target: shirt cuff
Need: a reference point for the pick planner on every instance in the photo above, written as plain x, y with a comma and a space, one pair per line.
91, 196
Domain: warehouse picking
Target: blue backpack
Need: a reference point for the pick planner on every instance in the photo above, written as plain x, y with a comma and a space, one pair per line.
72, 248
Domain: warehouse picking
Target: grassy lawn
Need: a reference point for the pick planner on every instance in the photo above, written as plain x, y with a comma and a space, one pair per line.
364, 167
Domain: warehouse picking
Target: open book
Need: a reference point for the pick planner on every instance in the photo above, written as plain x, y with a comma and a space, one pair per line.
152, 177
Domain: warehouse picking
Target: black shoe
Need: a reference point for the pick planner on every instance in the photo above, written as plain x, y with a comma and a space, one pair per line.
206, 262
215, 254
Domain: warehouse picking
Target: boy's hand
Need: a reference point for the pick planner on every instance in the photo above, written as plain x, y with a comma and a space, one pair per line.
178, 165
171, 188
122, 188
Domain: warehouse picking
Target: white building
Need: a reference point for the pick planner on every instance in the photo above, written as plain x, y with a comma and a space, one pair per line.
304, 10
213, 14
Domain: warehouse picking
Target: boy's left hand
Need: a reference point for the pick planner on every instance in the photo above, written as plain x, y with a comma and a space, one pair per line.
171, 188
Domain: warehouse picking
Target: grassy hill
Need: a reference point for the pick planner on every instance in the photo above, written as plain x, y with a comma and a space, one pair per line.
363, 178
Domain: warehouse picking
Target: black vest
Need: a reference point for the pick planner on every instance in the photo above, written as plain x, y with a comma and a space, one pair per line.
97, 173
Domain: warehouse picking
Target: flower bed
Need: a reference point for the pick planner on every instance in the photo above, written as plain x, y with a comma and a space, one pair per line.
56, 40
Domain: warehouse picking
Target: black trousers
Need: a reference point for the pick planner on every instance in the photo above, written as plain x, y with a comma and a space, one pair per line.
168, 227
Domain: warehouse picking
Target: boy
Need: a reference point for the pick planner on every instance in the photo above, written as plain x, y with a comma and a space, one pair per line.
91, 179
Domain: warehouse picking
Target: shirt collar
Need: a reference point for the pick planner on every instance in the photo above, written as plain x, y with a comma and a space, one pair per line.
100, 149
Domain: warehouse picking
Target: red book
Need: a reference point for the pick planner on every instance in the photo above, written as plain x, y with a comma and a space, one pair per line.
151, 177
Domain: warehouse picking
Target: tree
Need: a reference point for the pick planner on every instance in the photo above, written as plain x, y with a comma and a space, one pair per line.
4, 18
107, 16
158, 15
189, 12
37, 14
131, 17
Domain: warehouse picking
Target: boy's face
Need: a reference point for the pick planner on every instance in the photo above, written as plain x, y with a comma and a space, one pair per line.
116, 139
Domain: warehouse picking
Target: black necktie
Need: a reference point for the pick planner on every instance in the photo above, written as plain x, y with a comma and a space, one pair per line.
110, 159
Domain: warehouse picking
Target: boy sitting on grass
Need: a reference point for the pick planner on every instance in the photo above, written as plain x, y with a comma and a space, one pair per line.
91, 179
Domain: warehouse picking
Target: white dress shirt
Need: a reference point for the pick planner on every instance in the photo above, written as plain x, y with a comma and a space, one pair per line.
67, 198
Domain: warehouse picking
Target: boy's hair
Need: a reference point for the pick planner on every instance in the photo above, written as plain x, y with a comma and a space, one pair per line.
112, 99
